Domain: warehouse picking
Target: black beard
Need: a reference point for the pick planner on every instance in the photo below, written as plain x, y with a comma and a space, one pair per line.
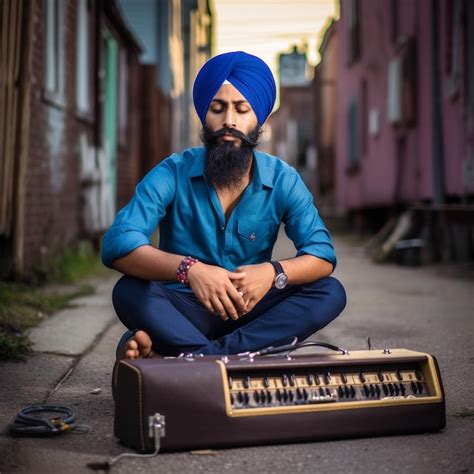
227, 164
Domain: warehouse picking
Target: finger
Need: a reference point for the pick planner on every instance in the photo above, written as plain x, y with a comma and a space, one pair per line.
251, 305
207, 304
218, 308
237, 297
236, 276
229, 306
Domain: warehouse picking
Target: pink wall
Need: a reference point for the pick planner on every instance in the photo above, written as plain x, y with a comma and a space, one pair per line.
374, 183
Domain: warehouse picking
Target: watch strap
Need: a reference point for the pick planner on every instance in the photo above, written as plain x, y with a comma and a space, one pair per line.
277, 266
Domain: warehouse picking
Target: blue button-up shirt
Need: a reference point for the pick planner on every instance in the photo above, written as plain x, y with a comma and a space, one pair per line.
176, 196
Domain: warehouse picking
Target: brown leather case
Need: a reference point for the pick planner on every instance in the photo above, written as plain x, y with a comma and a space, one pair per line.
194, 396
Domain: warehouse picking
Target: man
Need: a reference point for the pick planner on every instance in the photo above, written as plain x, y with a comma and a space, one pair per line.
211, 287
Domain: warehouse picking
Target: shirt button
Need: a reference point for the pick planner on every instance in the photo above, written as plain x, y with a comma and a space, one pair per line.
252, 236
222, 227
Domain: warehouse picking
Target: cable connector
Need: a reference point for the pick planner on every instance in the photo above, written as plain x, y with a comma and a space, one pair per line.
156, 430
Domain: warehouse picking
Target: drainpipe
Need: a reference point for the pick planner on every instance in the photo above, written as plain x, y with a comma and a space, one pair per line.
437, 129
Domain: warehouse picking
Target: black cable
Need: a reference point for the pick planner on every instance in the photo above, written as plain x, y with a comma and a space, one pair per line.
26, 424
294, 346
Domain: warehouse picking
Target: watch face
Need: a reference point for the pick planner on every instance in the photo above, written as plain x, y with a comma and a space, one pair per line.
281, 281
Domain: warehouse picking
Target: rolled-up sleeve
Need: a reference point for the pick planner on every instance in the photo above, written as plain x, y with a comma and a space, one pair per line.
303, 224
136, 222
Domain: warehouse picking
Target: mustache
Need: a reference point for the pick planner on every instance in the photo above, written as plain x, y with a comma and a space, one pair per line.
210, 136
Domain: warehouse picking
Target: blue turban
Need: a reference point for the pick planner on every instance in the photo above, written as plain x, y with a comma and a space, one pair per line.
247, 73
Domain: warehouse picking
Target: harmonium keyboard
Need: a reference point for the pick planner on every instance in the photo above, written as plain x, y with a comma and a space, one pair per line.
211, 402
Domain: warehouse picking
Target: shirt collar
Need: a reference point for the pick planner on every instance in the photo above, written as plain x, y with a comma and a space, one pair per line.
263, 172
197, 166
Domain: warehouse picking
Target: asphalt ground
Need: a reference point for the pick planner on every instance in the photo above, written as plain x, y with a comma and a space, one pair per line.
428, 309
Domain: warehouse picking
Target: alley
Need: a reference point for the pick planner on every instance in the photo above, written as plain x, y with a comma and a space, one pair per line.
414, 308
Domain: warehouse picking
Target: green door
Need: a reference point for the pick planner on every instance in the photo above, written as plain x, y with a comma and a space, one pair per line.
110, 109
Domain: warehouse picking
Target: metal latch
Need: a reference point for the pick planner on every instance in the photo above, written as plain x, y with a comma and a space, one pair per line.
156, 429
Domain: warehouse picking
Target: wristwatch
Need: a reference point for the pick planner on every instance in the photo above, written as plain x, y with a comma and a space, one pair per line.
281, 278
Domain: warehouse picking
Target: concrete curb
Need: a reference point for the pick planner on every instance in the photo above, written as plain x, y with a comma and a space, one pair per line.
71, 331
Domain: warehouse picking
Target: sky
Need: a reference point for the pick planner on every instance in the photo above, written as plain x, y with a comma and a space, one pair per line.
266, 28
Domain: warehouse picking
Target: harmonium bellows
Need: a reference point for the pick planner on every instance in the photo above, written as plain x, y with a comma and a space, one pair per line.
211, 402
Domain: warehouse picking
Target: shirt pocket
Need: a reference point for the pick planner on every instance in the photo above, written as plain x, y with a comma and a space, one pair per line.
256, 232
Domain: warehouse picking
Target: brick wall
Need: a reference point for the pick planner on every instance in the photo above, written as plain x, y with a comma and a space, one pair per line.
52, 214
54, 194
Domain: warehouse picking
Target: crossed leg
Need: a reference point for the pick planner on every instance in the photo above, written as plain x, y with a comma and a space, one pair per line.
170, 322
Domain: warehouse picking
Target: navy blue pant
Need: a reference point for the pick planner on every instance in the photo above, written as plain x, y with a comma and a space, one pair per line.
177, 322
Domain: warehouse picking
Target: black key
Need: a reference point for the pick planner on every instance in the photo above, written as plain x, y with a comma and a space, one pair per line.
278, 395
340, 391
414, 387
396, 388
328, 392
377, 390
230, 383
291, 395
420, 387
327, 378
317, 379
385, 389
402, 389
418, 375
347, 391
299, 394
284, 380
353, 392
293, 380
263, 396
391, 389
305, 394
256, 396
285, 395
321, 392
366, 390
372, 390
240, 397
380, 376
246, 398
269, 397
310, 379
232, 399
266, 382
247, 382
344, 378
399, 375
362, 377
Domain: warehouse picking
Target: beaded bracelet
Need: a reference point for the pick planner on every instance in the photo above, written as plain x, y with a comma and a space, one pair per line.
183, 269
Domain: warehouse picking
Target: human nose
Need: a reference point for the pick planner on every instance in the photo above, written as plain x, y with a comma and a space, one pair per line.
229, 118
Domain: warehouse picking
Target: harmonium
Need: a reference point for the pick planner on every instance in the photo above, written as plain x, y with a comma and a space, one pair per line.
212, 402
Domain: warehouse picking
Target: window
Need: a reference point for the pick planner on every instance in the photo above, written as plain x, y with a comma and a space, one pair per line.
454, 42
394, 91
82, 57
54, 51
364, 116
395, 20
352, 134
353, 22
